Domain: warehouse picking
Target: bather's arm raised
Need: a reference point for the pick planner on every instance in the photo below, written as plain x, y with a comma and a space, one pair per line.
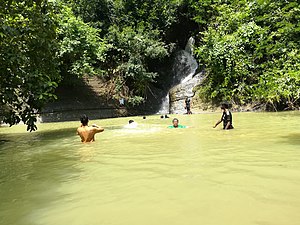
97, 129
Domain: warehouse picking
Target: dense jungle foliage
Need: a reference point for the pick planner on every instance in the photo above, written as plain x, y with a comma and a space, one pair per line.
248, 49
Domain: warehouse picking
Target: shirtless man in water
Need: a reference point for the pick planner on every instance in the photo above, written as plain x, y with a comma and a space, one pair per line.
87, 133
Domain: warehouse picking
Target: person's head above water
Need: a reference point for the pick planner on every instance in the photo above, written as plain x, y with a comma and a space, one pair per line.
84, 120
131, 124
224, 106
175, 122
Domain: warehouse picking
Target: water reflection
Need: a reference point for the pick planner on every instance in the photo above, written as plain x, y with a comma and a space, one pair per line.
86, 152
293, 138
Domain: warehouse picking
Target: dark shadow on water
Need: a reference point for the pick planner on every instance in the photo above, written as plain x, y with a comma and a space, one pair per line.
3, 141
114, 128
293, 138
34, 178
40, 138
55, 134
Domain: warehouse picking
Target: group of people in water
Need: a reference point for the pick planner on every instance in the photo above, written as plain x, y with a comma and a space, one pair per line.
87, 133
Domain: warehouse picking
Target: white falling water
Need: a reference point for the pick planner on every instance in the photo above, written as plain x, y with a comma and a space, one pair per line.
184, 79
165, 108
190, 46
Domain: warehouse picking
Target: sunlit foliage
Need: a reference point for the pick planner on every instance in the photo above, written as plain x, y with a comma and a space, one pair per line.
250, 51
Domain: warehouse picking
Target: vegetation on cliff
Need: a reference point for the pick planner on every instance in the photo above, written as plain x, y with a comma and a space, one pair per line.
249, 49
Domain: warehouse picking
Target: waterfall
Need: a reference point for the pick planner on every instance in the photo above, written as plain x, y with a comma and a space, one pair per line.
190, 46
184, 80
165, 107
184, 67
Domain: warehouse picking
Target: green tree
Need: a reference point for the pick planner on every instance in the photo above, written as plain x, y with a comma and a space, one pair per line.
127, 59
251, 53
81, 50
133, 31
99, 13
28, 65
41, 44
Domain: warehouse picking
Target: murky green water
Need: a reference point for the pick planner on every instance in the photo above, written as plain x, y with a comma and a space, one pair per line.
153, 175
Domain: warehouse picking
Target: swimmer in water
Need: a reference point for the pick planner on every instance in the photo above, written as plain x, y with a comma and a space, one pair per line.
131, 124
86, 133
176, 124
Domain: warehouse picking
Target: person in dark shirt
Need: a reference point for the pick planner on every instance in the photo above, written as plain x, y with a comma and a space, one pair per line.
188, 106
226, 118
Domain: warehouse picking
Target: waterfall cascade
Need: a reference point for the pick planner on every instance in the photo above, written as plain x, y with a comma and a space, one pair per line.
184, 80
165, 107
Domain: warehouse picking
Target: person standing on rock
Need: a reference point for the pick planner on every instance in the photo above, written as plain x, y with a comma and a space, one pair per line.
86, 133
188, 105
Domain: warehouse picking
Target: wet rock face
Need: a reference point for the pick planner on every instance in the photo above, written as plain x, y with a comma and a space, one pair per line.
184, 67
184, 80
178, 94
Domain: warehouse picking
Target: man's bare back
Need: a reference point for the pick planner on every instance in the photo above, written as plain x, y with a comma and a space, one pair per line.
87, 133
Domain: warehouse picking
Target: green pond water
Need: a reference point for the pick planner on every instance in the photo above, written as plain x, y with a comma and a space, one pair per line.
153, 175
